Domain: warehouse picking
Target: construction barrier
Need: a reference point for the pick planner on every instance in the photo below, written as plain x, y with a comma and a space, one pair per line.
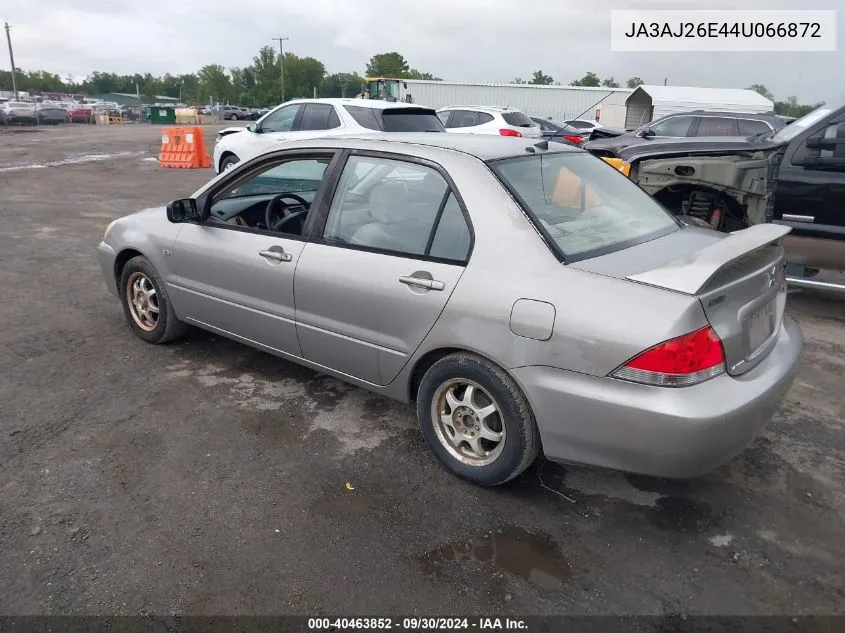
183, 147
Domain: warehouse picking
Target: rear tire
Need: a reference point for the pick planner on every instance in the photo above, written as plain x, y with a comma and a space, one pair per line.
146, 303
462, 429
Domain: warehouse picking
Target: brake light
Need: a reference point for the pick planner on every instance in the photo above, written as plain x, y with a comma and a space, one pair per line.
679, 362
574, 139
509, 132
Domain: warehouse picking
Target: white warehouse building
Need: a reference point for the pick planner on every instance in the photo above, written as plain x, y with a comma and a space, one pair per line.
558, 102
647, 103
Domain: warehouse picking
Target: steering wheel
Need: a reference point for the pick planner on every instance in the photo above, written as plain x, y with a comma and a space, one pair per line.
284, 213
296, 215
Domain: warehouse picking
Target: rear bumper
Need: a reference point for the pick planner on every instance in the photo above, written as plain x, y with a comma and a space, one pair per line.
106, 257
663, 432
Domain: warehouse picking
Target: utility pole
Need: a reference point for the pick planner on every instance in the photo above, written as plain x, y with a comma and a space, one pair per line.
282, 62
12, 59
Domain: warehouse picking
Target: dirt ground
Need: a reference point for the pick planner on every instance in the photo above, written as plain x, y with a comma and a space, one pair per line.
207, 478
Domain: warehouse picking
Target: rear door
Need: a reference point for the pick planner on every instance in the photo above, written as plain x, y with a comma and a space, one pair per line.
394, 245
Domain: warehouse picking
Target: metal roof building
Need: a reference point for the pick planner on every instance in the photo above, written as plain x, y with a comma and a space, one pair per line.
557, 102
647, 103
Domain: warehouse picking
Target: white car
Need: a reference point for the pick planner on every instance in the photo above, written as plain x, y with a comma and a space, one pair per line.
584, 125
488, 120
317, 118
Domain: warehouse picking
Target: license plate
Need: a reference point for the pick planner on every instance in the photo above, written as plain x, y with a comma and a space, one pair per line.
759, 325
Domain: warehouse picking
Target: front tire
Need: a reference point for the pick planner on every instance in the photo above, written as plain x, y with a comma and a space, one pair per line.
476, 420
146, 303
227, 163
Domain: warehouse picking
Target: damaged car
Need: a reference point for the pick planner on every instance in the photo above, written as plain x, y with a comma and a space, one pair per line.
794, 177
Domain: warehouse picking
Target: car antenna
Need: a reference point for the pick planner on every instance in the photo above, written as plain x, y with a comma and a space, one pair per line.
544, 144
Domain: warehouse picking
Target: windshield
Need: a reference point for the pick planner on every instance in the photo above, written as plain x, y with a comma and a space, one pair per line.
807, 121
583, 206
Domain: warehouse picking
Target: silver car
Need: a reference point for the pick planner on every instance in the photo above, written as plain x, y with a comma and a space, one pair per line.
524, 298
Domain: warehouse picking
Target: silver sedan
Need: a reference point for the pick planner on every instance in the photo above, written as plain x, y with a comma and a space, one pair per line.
524, 297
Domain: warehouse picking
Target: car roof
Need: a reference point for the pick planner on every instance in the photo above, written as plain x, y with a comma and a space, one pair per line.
485, 147
481, 108
361, 103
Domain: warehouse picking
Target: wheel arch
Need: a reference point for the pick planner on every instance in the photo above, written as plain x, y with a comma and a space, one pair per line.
120, 261
424, 362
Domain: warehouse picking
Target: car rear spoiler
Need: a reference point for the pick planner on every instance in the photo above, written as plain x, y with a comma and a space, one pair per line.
690, 274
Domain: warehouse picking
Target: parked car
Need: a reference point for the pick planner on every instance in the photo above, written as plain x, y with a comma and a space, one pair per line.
19, 112
80, 113
51, 114
560, 132
520, 299
230, 113
309, 118
689, 124
795, 177
584, 125
488, 120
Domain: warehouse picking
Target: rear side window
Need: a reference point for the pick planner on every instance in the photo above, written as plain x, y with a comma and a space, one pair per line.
452, 238
366, 117
517, 119
318, 116
483, 117
463, 118
410, 120
716, 126
748, 127
581, 207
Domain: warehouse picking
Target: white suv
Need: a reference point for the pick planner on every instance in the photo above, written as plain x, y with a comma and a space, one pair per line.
316, 118
488, 120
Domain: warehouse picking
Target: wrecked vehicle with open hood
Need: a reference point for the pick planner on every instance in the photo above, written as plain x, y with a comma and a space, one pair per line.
794, 177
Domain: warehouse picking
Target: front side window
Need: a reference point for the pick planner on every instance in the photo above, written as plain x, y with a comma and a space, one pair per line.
245, 201
673, 126
582, 206
396, 206
281, 120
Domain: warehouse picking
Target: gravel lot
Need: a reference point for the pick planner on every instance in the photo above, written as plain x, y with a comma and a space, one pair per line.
207, 478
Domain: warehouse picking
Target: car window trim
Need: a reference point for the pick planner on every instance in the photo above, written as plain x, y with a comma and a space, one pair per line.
320, 220
204, 201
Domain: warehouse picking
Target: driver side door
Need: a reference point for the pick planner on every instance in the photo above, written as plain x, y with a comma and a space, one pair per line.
275, 127
233, 275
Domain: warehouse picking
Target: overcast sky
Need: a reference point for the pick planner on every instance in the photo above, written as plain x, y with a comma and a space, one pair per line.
460, 40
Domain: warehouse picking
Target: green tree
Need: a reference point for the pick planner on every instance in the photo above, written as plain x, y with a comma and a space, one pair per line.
762, 90
302, 75
341, 85
214, 82
415, 74
589, 79
387, 65
609, 82
633, 82
541, 79
518, 80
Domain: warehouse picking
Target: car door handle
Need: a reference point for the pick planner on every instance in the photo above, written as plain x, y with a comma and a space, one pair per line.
419, 282
278, 256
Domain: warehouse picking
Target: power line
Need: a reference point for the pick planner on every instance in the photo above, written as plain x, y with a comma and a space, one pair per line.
12, 59
280, 40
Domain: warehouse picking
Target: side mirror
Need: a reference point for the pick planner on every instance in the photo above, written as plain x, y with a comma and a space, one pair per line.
184, 210
252, 127
646, 133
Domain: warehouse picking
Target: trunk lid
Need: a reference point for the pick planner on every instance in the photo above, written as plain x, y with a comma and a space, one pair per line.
738, 278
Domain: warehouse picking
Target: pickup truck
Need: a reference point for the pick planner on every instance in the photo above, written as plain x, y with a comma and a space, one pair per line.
794, 177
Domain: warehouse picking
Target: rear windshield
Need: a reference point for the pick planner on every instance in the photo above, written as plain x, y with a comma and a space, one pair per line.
397, 119
582, 205
517, 119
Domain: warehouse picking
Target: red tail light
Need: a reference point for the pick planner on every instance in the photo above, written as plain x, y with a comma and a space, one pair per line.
679, 362
574, 139
507, 132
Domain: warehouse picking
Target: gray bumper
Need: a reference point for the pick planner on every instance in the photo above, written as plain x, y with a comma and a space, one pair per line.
106, 256
658, 431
